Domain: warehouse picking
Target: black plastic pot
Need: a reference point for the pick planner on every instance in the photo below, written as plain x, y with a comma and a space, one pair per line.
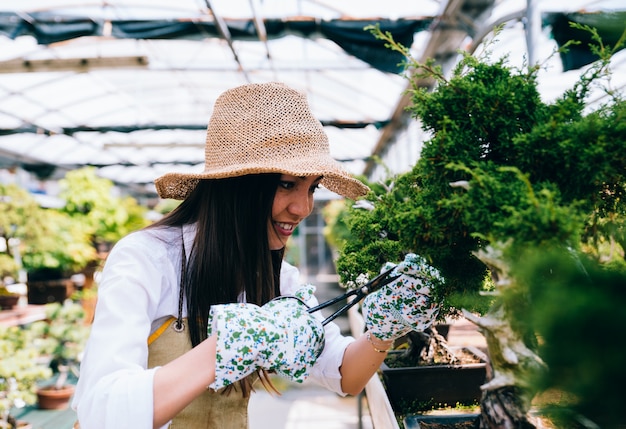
433, 385
416, 421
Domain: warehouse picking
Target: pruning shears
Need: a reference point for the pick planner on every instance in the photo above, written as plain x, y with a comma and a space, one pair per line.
373, 285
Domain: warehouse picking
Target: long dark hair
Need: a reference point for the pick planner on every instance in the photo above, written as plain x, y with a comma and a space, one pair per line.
230, 255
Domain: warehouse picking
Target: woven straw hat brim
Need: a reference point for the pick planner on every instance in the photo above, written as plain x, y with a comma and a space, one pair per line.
179, 185
264, 128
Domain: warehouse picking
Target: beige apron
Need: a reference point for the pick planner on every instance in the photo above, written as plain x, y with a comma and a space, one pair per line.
211, 410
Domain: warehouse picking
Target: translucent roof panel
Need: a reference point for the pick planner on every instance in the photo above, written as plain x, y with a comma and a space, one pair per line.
128, 86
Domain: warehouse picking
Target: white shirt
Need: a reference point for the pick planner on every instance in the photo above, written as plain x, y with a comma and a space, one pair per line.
138, 290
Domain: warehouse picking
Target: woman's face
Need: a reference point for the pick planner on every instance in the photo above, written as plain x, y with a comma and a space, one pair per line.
292, 203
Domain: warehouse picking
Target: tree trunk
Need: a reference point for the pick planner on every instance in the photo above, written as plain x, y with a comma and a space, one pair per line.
428, 348
508, 392
503, 409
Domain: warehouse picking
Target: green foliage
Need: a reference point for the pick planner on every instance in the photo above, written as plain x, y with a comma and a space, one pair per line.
29, 353
369, 243
578, 307
335, 231
90, 201
502, 205
63, 333
456, 111
502, 166
47, 238
65, 240
19, 212
20, 218
8, 267
60, 244
20, 370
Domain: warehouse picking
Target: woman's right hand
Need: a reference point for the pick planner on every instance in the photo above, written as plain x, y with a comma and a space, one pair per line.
403, 305
281, 336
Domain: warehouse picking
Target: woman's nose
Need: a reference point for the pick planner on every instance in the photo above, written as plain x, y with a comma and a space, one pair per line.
301, 205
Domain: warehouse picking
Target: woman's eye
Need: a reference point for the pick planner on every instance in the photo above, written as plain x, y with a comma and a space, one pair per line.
286, 185
314, 188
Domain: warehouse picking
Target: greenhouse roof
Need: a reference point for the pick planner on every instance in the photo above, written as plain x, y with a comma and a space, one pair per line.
127, 86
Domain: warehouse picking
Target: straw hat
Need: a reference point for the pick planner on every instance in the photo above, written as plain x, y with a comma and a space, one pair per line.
264, 128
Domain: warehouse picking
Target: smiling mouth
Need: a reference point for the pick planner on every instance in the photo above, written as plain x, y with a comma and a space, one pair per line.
287, 227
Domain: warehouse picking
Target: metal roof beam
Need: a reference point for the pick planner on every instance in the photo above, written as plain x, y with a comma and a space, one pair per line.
446, 38
70, 131
78, 65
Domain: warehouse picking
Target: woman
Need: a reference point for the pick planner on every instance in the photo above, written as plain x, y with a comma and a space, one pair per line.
173, 297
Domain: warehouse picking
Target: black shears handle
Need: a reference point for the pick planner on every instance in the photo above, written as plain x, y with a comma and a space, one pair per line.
359, 293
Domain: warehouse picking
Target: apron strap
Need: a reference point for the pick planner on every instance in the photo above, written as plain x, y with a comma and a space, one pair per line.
180, 325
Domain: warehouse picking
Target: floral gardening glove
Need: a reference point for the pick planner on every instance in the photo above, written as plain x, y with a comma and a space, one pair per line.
281, 336
306, 333
403, 305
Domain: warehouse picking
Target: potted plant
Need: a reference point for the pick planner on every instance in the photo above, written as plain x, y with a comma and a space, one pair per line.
20, 371
8, 299
60, 248
92, 202
104, 216
63, 334
21, 223
50, 245
504, 175
57, 243
8, 272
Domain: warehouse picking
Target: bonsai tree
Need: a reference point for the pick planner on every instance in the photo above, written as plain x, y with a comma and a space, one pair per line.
57, 243
90, 201
20, 371
22, 220
8, 273
54, 244
48, 239
60, 247
63, 335
503, 175
372, 240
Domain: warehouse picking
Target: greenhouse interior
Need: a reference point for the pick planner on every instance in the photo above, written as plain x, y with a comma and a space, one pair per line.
481, 141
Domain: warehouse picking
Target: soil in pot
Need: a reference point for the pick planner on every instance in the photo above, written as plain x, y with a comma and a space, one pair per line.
52, 398
437, 425
441, 422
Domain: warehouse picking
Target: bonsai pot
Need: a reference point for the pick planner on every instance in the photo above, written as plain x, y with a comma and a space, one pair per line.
424, 387
48, 285
453, 421
52, 398
7, 302
47, 291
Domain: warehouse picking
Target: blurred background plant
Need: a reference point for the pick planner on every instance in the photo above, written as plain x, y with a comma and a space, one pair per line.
63, 335
20, 371
91, 202
47, 246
